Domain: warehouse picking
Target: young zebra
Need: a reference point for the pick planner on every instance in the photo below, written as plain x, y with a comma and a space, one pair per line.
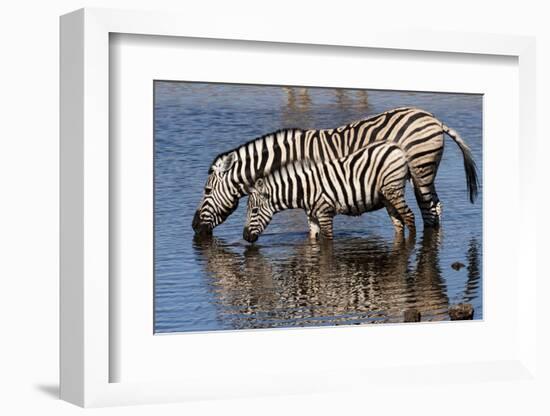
418, 133
367, 180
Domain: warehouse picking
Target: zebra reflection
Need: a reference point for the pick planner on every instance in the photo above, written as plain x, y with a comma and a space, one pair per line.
298, 102
359, 280
474, 272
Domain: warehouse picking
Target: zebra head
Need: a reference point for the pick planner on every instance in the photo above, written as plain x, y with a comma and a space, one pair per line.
259, 211
220, 196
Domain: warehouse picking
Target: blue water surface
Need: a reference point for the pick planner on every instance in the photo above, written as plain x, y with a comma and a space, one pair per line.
284, 280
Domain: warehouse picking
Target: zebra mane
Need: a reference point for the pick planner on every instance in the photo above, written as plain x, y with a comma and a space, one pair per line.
263, 137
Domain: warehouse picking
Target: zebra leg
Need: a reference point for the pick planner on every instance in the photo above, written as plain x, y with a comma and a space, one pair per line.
325, 222
314, 228
433, 212
423, 180
424, 197
407, 215
395, 197
323, 213
438, 206
398, 224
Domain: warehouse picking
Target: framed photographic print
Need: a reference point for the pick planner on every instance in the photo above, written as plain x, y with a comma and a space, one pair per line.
241, 213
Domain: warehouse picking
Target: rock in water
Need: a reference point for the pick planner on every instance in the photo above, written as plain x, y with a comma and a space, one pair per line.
457, 265
411, 315
461, 312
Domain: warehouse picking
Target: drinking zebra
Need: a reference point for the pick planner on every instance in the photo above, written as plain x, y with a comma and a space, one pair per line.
417, 132
366, 180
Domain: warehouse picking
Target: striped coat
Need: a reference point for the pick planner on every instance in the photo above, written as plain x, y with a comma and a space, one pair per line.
366, 180
418, 133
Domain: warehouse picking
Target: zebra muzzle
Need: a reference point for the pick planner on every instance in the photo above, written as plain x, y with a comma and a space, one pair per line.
248, 236
199, 227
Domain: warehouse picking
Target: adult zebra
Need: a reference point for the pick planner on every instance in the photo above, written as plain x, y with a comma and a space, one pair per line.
366, 180
418, 132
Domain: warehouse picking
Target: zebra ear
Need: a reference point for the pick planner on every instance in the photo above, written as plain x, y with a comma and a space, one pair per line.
261, 188
228, 161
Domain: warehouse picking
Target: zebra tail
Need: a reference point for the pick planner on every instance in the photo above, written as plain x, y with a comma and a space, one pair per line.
469, 163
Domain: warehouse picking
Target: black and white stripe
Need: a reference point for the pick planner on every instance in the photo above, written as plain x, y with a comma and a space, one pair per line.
367, 180
416, 131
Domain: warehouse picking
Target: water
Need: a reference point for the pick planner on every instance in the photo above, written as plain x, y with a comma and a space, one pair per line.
284, 280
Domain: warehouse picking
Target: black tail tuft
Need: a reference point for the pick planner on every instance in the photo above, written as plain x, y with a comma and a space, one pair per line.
471, 176
470, 168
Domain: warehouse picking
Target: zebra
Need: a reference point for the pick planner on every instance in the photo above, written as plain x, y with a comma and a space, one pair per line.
417, 131
366, 180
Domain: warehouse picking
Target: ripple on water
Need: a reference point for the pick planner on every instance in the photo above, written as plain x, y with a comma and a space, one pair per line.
364, 276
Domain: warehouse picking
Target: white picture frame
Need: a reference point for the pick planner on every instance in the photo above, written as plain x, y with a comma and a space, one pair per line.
86, 353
